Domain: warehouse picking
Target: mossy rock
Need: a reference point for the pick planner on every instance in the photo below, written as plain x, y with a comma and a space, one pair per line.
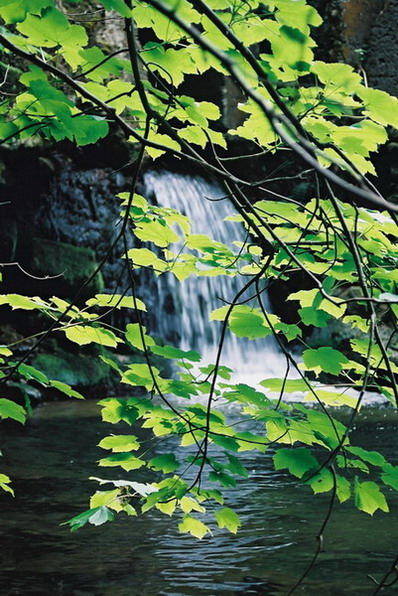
73, 264
76, 370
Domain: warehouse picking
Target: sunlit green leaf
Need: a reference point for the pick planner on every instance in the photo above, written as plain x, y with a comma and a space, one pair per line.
193, 526
227, 518
325, 359
9, 409
66, 389
84, 334
5, 484
120, 443
116, 301
369, 498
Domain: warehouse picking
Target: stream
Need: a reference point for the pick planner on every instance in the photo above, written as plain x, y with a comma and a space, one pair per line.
51, 459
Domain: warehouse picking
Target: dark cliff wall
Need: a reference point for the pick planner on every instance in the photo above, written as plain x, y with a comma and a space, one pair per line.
363, 33
51, 196
381, 62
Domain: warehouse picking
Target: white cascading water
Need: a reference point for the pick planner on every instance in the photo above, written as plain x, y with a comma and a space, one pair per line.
184, 308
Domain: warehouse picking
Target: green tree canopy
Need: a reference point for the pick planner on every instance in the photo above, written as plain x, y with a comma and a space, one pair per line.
340, 236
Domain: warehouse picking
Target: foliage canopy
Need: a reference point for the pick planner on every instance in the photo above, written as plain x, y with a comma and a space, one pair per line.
341, 237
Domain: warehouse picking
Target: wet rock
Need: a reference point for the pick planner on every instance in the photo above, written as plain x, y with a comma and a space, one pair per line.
362, 33
382, 45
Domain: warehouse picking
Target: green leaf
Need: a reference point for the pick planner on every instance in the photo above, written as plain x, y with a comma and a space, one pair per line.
166, 463
106, 498
369, 498
5, 351
115, 410
85, 334
31, 373
312, 316
140, 375
297, 461
372, 457
390, 475
227, 518
51, 100
135, 334
322, 481
88, 129
172, 352
119, 443
23, 302
333, 398
157, 232
194, 134
188, 504
338, 75
177, 63
289, 386
77, 522
325, 359
343, 488
248, 325
153, 152
14, 11
226, 442
219, 314
96, 516
246, 394
193, 526
119, 5
52, 29
5, 484
290, 331
203, 243
127, 461
381, 107
223, 478
116, 301
235, 466
9, 409
65, 388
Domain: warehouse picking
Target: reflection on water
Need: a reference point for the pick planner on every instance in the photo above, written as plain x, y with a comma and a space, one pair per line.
50, 462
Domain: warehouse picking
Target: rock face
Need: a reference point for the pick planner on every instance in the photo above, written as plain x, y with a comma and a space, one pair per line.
44, 227
364, 34
382, 48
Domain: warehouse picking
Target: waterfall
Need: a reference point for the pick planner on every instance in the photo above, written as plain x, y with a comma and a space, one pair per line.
184, 308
